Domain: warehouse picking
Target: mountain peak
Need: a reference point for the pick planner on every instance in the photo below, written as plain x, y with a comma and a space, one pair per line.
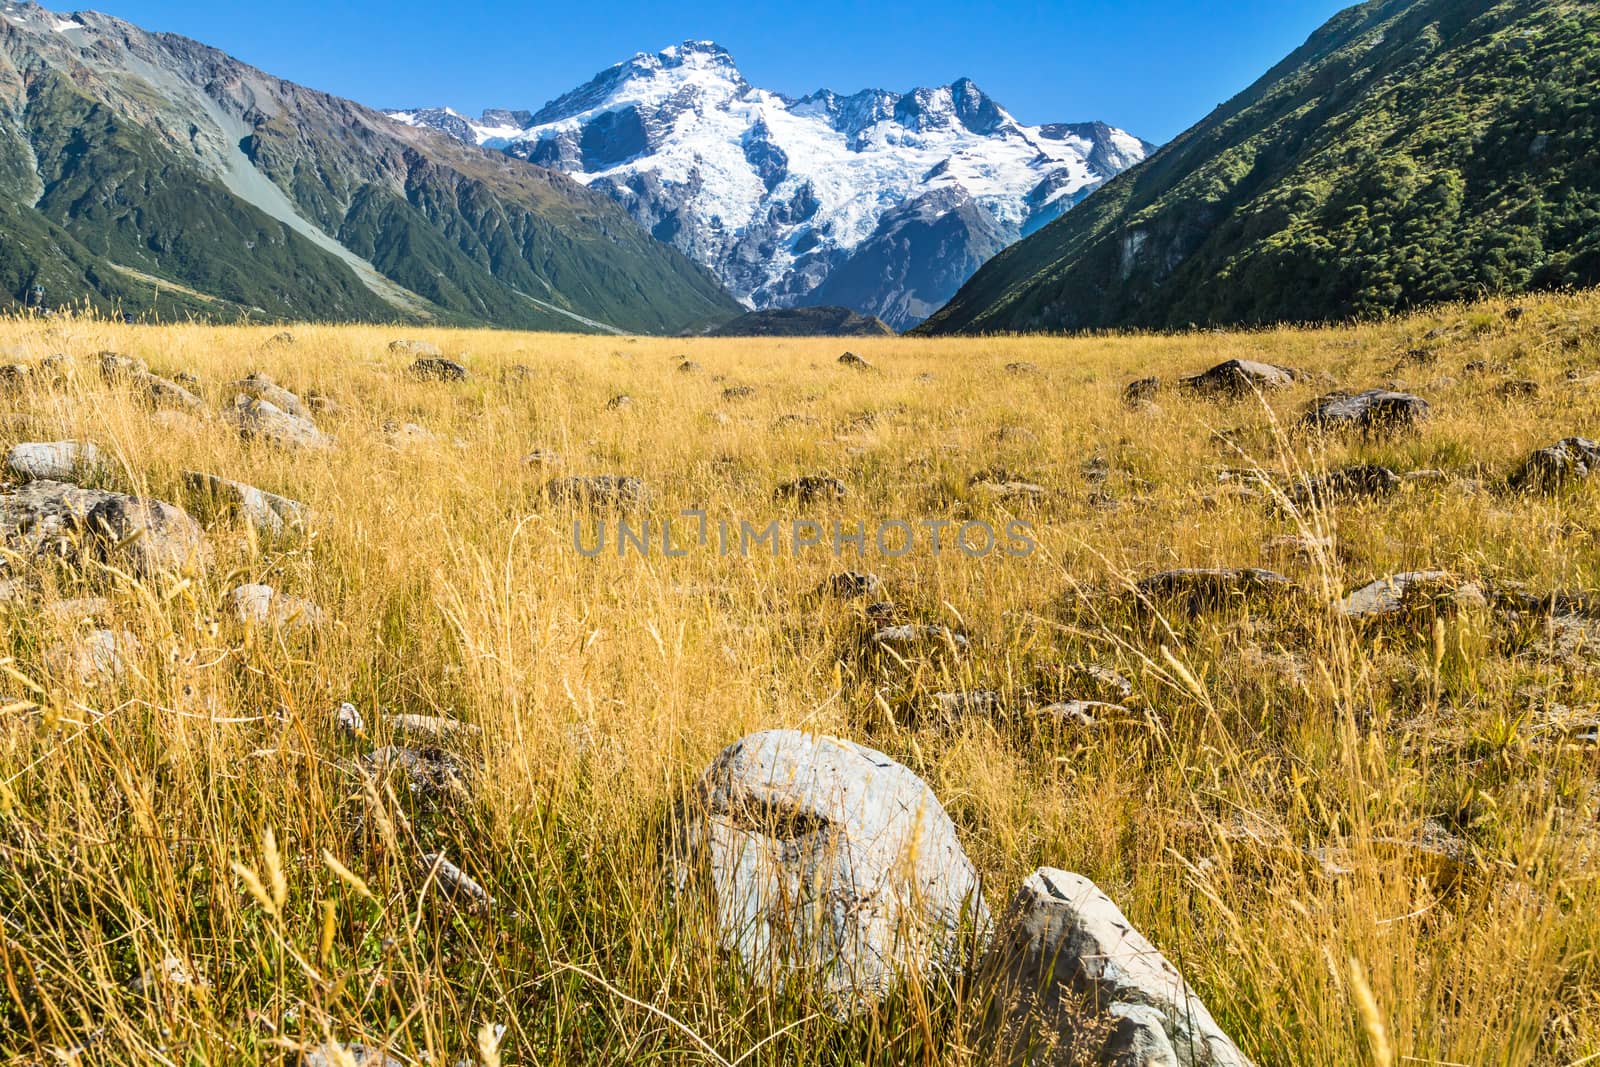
690, 49
699, 66
851, 198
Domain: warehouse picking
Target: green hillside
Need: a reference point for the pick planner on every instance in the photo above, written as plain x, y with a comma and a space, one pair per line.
1411, 151
149, 174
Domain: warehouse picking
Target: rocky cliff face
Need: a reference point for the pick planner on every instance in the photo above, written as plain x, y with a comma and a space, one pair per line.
882, 202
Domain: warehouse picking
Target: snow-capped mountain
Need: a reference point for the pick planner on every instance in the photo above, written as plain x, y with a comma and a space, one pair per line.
878, 201
495, 128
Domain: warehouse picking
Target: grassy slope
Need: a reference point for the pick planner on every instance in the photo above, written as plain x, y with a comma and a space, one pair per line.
1407, 153
473, 230
468, 232
111, 196
604, 685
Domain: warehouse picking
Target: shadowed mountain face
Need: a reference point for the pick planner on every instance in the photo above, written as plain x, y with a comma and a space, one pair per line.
881, 202
1411, 151
149, 172
804, 322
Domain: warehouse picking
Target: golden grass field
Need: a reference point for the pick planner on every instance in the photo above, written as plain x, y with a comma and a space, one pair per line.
1292, 804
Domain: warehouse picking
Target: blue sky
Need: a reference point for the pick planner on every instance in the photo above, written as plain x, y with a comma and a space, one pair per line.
1153, 67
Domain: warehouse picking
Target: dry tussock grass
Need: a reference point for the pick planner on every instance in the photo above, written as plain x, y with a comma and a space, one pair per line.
1358, 846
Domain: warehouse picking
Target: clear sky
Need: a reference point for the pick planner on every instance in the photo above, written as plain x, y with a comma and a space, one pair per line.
1153, 67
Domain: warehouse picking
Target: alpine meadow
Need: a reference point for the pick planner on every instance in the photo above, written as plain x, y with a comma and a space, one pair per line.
608, 583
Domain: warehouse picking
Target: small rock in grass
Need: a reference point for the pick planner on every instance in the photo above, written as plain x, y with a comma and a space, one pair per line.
1141, 393
261, 605
428, 771
433, 727
967, 702
1403, 596
261, 387
99, 656
1347, 483
1205, 588
77, 609
912, 636
438, 369
1374, 412
61, 461
267, 512
456, 882
1570, 460
337, 1054
172, 972
408, 435
348, 719
811, 488
599, 490
264, 421
1087, 713
1239, 377
848, 585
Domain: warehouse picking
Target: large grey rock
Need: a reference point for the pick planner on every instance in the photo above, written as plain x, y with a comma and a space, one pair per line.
830, 862
148, 537
267, 512
265, 421
44, 516
1067, 950
52, 460
1571, 459
1374, 412
1238, 377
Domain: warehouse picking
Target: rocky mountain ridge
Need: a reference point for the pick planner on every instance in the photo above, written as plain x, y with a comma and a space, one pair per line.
150, 173
878, 201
